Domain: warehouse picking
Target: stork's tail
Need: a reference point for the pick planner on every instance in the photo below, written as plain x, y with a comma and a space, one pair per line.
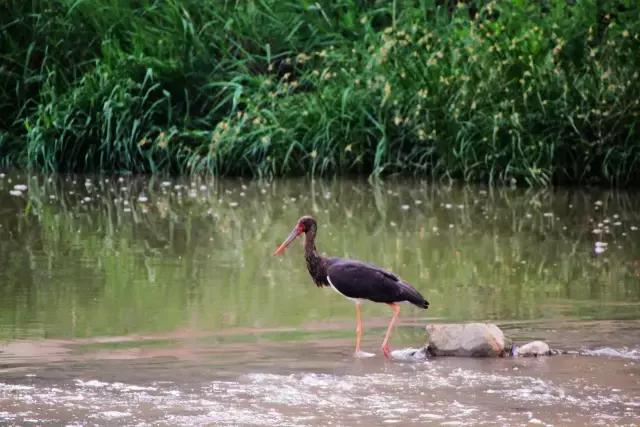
415, 297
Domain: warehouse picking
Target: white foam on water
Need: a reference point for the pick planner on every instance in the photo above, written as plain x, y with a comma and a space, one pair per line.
14, 387
624, 352
110, 415
418, 393
91, 383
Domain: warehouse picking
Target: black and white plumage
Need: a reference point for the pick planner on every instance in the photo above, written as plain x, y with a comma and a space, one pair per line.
355, 280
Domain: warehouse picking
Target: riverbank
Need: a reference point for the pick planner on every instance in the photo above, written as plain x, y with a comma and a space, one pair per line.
505, 93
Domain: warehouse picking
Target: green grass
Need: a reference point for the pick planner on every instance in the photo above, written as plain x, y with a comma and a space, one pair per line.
536, 92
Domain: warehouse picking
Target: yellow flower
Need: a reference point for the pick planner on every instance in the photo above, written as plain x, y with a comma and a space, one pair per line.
302, 58
387, 92
625, 34
163, 141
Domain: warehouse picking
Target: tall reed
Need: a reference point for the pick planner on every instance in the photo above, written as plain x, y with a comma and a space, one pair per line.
528, 92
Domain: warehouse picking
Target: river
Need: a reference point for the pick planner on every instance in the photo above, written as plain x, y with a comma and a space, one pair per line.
136, 300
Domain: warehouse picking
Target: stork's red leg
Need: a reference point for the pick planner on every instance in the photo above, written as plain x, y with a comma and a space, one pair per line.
358, 327
385, 344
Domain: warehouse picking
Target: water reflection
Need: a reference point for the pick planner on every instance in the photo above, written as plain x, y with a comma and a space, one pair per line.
88, 256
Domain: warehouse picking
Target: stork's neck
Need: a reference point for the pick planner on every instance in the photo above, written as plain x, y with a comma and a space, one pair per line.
315, 263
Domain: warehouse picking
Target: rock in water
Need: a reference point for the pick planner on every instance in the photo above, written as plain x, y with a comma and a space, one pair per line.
410, 354
471, 339
534, 348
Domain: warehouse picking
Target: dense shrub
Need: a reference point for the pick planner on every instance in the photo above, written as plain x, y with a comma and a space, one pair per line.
532, 91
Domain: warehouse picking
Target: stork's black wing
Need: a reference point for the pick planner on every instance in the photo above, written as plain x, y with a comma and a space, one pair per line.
356, 279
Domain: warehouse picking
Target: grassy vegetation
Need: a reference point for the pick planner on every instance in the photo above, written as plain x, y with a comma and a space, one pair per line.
537, 92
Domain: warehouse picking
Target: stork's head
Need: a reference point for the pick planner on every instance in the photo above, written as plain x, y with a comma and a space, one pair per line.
305, 224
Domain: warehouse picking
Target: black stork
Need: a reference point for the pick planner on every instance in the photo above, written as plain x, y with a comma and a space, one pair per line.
356, 280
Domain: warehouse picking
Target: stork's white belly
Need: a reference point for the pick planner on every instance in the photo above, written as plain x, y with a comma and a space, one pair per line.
356, 300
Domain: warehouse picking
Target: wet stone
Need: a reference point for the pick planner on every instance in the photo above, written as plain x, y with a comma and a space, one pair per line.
467, 340
534, 348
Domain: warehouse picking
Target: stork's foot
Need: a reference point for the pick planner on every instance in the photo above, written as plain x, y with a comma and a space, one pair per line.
359, 354
387, 351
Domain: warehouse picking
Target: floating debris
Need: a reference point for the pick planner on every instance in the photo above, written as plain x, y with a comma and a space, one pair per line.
596, 231
405, 207
165, 184
15, 192
600, 247
233, 204
548, 214
598, 203
633, 228
20, 187
142, 198
448, 205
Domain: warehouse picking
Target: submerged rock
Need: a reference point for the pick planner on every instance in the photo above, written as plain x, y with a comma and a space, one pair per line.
410, 354
534, 348
471, 339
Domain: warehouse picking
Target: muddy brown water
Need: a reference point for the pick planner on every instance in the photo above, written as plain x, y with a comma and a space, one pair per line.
136, 301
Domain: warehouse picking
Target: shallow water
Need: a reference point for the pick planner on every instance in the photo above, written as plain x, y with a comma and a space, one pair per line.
135, 300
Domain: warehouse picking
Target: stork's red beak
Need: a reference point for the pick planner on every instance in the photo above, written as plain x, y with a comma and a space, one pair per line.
292, 236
